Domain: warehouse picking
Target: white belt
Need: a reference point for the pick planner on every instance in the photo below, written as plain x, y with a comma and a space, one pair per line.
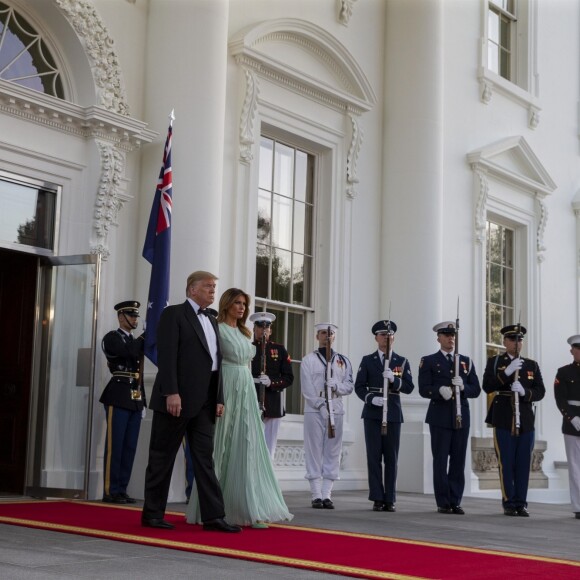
574, 403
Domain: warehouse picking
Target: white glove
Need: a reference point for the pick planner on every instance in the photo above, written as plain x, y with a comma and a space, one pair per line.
377, 401
514, 366
265, 380
388, 374
332, 382
457, 382
324, 413
446, 392
517, 388
144, 414
257, 380
575, 423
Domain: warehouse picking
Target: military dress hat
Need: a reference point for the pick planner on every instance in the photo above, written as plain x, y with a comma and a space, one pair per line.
384, 326
262, 319
447, 327
325, 325
574, 340
130, 307
512, 330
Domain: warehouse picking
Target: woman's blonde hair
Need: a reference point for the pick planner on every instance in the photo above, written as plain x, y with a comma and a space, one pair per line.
226, 300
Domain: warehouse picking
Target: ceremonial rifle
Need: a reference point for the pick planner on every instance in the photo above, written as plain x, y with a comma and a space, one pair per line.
456, 373
328, 390
262, 387
516, 396
387, 359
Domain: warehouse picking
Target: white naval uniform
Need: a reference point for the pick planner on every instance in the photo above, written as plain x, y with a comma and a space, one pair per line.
321, 454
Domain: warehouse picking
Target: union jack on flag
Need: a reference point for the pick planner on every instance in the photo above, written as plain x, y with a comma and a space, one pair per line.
157, 250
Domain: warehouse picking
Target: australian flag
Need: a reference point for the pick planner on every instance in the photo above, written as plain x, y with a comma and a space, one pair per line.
157, 251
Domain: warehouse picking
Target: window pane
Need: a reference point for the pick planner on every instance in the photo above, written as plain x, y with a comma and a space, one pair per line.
307, 277
264, 217
266, 156
262, 270
295, 344
493, 26
495, 324
493, 57
495, 284
279, 326
301, 176
505, 64
298, 279
281, 273
282, 222
294, 402
299, 225
284, 170
495, 244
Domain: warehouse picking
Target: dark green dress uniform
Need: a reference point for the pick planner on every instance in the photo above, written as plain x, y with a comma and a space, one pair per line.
514, 453
124, 400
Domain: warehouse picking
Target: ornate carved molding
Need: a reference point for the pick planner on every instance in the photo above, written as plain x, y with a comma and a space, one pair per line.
293, 455
352, 158
109, 200
248, 116
480, 205
99, 47
345, 8
543, 218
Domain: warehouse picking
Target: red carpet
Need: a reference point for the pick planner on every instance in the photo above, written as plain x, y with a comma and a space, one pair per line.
358, 555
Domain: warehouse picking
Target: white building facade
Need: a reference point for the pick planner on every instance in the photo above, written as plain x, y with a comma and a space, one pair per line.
333, 158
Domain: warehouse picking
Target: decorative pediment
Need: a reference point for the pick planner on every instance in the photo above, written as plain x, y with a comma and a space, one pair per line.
300, 55
513, 160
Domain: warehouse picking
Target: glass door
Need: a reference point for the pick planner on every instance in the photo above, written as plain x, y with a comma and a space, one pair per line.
63, 377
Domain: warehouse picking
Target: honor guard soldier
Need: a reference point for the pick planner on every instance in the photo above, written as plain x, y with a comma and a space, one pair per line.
325, 378
567, 393
448, 419
272, 371
124, 401
516, 383
382, 424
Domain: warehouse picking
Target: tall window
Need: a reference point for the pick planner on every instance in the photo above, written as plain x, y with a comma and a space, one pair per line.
284, 248
501, 43
499, 292
24, 56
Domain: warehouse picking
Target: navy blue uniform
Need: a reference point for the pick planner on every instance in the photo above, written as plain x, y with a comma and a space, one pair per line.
514, 453
448, 444
124, 399
369, 383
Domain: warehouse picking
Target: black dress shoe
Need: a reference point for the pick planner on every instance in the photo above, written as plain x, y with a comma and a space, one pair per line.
510, 512
156, 523
116, 498
317, 504
458, 510
390, 507
127, 498
444, 510
577, 515
523, 512
327, 504
220, 525
378, 506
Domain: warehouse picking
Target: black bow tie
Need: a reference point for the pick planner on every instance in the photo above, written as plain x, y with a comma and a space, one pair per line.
202, 311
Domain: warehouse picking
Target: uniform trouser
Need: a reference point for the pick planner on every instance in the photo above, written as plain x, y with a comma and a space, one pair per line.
167, 433
382, 448
448, 447
189, 475
271, 426
572, 443
321, 454
514, 456
121, 439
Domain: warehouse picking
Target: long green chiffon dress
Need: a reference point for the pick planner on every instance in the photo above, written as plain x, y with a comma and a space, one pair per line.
242, 461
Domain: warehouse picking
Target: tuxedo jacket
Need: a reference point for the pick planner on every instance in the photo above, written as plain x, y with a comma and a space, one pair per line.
369, 384
501, 410
184, 362
435, 371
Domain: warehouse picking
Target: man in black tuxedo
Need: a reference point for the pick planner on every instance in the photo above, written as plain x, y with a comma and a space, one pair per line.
187, 396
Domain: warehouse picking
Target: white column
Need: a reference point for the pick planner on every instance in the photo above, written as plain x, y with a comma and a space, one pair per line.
186, 71
411, 277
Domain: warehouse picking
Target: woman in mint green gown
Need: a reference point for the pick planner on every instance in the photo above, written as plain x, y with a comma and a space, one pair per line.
243, 465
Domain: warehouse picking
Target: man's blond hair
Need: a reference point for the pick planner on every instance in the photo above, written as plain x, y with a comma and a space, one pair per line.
198, 276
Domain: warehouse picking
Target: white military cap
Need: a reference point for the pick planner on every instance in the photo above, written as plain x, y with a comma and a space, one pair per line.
325, 325
574, 340
262, 318
447, 327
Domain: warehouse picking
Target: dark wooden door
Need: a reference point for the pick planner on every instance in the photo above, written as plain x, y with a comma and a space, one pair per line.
18, 273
